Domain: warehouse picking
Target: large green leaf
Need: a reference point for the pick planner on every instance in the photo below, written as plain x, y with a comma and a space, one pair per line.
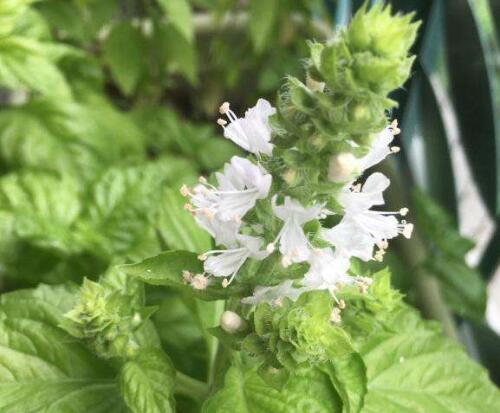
307, 391
420, 371
147, 383
42, 369
43, 208
126, 204
67, 137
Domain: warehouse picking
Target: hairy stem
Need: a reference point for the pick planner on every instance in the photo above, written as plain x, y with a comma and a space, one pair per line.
187, 386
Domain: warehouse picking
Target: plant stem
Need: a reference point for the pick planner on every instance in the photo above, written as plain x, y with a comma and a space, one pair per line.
190, 387
414, 254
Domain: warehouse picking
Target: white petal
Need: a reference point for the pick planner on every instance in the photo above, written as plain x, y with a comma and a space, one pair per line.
226, 263
379, 149
351, 240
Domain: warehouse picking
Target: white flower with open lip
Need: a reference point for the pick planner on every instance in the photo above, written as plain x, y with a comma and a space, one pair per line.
361, 229
252, 132
379, 148
328, 271
226, 263
294, 244
240, 186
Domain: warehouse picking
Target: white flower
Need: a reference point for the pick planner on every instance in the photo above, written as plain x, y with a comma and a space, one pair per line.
226, 263
240, 186
361, 229
252, 132
274, 295
379, 148
328, 271
294, 244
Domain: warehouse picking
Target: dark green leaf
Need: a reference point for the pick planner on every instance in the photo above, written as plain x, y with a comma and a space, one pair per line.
179, 15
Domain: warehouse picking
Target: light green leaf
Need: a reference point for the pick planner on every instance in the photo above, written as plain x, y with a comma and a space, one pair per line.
178, 228
124, 50
308, 390
67, 137
44, 370
44, 209
179, 15
147, 383
24, 65
263, 14
126, 205
420, 371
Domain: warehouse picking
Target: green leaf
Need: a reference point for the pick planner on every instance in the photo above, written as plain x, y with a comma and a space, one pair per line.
25, 64
308, 390
67, 137
438, 226
147, 383
461, 286
348, 375
178, 228
44, 209
420, 371
179, 15
263, 14
125, 204
42, 369
128, 63
166, 269
181, 55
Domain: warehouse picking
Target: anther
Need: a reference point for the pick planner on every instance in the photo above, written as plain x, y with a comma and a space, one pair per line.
403, 211
221, 122
395, 149
224, 108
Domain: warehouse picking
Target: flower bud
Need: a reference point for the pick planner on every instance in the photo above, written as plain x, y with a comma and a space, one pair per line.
231, 322
342, 167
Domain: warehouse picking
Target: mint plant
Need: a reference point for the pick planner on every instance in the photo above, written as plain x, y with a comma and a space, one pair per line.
284, 310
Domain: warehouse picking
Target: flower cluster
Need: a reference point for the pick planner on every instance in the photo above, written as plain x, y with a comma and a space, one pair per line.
304, 199
222, 209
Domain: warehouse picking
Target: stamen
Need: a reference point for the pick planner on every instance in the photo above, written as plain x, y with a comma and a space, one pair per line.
189, 207
394, 127
202, 257
395, 149
221, 122
202, 180
341, 304
185, 190
403, 211
225, 283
